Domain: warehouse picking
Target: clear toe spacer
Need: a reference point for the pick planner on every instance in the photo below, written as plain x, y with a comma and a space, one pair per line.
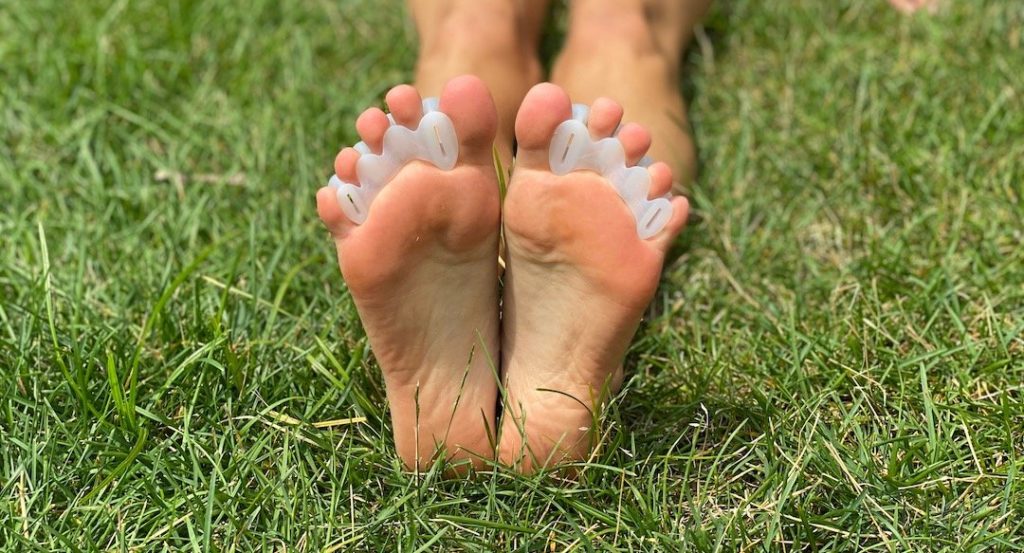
573, 149
433, 141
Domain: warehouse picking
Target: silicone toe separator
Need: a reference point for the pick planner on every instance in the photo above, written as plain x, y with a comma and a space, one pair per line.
581, 113
433, 141
573, 149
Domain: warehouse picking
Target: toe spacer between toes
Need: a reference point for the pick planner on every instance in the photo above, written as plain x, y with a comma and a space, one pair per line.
572, 149
433, 141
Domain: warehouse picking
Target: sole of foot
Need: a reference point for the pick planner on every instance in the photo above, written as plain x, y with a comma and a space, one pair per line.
577, 282
422, 272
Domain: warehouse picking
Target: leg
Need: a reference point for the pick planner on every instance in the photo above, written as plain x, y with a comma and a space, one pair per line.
630, 51
495, 40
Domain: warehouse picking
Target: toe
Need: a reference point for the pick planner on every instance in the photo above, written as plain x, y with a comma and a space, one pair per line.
635, 139
605, 116
680, 212
661, 180
371, 126
406, 105
330, 212
345, 165
544, 108
468, 103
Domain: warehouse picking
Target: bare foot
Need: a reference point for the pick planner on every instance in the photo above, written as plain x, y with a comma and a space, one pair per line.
422, 272
577, 283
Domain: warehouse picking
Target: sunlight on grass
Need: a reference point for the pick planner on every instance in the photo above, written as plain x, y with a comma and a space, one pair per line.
835, 360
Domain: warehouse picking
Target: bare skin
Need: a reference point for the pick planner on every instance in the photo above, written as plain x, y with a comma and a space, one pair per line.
421, 269
422, 273
578, 278
493, 39
424, 280
631, 50
577, 282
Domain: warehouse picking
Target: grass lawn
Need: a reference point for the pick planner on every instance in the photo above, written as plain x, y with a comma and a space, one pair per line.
835, 361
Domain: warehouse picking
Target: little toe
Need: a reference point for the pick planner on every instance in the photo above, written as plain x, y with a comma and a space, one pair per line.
605, 116
544, 108
371, 126
636, 140
468, 103
406, 105
330, 211
680, 213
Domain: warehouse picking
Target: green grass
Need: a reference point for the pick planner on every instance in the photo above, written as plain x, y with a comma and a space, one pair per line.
836, 361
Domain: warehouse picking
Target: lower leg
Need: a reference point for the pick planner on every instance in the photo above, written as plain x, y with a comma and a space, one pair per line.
631, 51
495, 40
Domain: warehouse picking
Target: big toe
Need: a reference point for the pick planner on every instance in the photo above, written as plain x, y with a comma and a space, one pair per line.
469, 105
544, 108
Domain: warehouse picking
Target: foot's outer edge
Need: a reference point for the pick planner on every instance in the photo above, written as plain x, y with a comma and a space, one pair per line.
433, 141
572, 149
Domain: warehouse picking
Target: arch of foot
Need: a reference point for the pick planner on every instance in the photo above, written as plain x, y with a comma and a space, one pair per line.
433, 141
573, 149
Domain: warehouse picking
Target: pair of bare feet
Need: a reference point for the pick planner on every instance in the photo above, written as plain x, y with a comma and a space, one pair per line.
548, 346
451, 342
